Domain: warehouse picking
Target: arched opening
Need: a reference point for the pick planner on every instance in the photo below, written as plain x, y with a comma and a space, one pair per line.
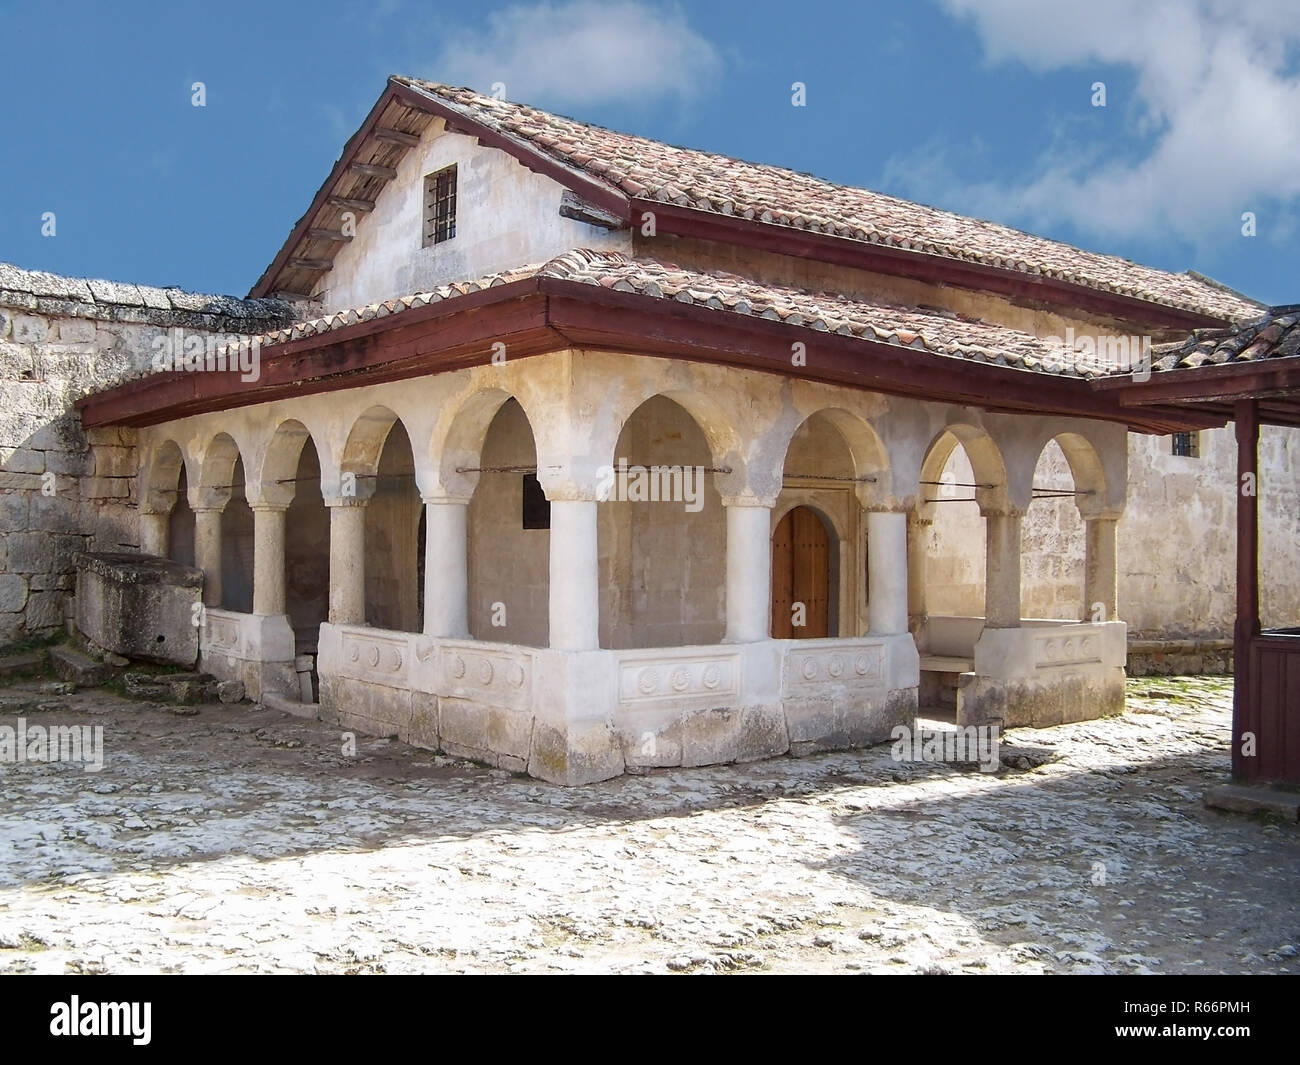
819, 479
955, 558
662, 535
169, 466
1054, 544
392, 564
509, 536
803, 549
947, 561
237, 546
307, 553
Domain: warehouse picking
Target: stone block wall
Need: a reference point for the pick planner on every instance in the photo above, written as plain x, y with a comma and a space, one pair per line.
64, 490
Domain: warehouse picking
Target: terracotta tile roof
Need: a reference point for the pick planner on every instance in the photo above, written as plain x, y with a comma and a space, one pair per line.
1274, 335
654, 171
928, 332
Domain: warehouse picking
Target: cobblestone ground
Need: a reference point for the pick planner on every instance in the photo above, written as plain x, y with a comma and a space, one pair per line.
240, 840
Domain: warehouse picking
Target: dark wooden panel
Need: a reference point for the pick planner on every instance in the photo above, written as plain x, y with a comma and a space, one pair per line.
1271, 710
800, 574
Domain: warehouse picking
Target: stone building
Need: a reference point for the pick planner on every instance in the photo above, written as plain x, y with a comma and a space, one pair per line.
584, 452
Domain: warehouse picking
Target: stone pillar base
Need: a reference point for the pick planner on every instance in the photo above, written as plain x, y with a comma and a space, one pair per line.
1045, 673
576, 717
255, 648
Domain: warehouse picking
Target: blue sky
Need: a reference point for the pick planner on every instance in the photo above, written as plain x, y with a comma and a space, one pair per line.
980, 106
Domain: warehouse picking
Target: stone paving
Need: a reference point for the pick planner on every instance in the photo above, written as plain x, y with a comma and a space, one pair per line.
236, 839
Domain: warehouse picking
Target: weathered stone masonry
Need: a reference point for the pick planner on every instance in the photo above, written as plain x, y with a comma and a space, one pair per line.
59, 338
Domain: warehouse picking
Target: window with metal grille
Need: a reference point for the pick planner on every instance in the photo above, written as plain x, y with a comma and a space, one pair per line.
1188, 445
440, 206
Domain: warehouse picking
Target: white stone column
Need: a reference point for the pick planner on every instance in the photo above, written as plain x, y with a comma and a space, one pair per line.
887, 571
1101, 569
207, 552
446, 567
1002, 569
347, 562
268, 558
155, 534
918, 556
749, 571
574, 578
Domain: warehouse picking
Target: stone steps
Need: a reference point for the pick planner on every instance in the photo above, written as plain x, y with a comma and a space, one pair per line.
1246, 799
82, 670
22, 662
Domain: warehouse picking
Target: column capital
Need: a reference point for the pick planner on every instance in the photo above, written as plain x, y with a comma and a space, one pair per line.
345, 501
205, 497
749, 499
1002, 510
446, 500
273, 508
1100, 513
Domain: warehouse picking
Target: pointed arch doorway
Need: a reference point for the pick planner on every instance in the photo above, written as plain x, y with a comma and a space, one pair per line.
801, 577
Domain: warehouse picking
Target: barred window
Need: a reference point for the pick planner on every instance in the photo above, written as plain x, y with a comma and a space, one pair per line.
1188, 445
440, 206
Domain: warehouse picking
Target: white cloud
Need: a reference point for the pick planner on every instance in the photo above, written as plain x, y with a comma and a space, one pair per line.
580, 53
1217, 107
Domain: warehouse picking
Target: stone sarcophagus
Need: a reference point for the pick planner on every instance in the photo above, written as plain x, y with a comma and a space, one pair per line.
140, 606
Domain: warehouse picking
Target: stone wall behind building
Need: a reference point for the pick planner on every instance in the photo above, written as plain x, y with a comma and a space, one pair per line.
60, 338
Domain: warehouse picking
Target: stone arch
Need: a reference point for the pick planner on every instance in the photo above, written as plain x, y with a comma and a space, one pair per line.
163, 470
381, 456
458, 443
166, 521
824, 459
833, 522
985, 459
363, 448
1086, 469
714, 422
1053, 561
661, 531
947, 553
508, 526
866, 449
216, 472
277, 483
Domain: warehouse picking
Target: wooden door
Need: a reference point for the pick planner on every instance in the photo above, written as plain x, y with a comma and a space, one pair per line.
801, 573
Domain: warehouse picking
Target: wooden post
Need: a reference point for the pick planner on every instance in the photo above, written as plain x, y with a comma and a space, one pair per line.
1245, 714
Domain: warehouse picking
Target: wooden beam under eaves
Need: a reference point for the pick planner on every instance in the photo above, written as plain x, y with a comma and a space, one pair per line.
350, 203
386, 173
396, 136
310, 264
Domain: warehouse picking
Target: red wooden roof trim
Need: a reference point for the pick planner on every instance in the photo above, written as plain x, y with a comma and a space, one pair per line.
534, 316
693, 222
